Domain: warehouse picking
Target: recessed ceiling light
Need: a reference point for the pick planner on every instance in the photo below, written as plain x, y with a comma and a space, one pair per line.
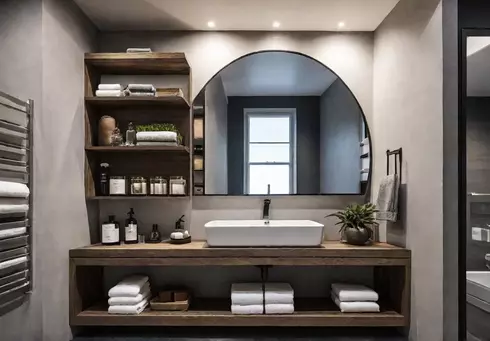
276, 24
211, 24
341, 24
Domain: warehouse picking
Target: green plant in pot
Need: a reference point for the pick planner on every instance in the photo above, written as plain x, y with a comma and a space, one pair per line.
357, 223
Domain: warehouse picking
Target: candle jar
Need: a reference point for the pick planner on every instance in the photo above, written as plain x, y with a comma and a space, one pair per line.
139, 186
158, 186
177, 185
117, 185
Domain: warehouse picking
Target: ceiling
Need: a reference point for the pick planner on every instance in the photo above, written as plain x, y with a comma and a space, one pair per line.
276, 74
478, 67
241, 15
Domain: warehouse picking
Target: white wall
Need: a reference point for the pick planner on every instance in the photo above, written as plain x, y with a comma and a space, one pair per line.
340, 135
408, 92
216, 133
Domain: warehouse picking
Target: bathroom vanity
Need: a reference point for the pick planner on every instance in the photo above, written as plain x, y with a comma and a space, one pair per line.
390, 266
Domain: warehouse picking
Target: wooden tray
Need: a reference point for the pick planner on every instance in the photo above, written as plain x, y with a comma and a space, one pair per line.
172, 92
162, 302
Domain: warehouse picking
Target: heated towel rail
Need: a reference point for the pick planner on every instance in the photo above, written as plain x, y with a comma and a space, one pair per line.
16, 180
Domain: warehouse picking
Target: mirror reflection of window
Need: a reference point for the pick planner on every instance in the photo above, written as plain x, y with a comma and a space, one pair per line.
270, 151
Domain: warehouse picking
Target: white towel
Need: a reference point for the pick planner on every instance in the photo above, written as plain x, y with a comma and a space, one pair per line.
279, 308
279, 293
387, 203
144, 143
141, 88
128, 309
156, 136
356, 307
13, 190
8, 233
10, 209
12, 262
254, 309
110, 87
247, 294
140, 94
354, 292
138, 50
109, 93
129, 287
144, 295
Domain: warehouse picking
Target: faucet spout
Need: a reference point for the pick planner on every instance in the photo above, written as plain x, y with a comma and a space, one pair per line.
265, 212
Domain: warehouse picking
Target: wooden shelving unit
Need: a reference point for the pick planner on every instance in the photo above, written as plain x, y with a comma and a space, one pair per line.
391, 271
118, 102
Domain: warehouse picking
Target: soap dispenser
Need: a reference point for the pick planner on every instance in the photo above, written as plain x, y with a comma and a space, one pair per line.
131, 229
180, 235
155, 236
110, 232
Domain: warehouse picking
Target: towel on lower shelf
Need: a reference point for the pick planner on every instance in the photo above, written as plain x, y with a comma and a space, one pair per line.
140, 94
354, 292
110, 87
138, 50
109, 93
387, 203
141, 88
128, 309
251, 309
279, 308
11, 209
279, 293
127, 300
129, 287
243, 294
144, 143
356, 307
156, 136
13, 190
14, 232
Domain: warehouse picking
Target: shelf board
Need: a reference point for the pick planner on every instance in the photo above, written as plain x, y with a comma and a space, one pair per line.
135, 149
313, 312
154, 63
159, 102
135, 197
197, 253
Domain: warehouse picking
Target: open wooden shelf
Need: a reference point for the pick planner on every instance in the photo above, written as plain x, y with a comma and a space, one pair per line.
313, 312
139, 197
118, 102
154, 63
123, 149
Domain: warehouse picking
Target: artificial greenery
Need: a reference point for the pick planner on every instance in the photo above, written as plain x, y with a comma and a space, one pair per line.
160, 127
357, 217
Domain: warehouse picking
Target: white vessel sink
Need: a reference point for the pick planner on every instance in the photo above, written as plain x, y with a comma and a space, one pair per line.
278, 233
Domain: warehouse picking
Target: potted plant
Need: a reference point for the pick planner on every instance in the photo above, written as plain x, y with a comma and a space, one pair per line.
357, 223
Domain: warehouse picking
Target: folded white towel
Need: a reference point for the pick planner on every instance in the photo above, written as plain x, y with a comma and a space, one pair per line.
110, 87
10, 209
247, 309
156, 136
12, 262
129, 287
141, 88
8, 233
354, 292
144, 143
356, 307
144, 295
109, 93
13, 190
247, 294
128, 309
140, 94
279, 293
138, 50
279, 308
387, 202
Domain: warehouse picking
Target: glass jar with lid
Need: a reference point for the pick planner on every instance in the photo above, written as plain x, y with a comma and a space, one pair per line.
158, 186
139, 185
177, 185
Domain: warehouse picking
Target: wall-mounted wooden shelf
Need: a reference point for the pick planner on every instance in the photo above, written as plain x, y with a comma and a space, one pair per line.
135, 149
313, 312
155, 63
140, 102
136, 197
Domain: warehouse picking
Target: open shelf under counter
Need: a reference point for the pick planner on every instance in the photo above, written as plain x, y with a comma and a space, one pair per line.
197, 253
139, 102
151, 63
139, 197
135, 149
312, 312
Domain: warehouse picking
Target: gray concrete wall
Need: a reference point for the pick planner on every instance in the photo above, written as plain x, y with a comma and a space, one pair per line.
340, 135
408, 102
216, 135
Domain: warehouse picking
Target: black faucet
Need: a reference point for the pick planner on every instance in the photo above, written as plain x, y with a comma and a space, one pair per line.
265, 212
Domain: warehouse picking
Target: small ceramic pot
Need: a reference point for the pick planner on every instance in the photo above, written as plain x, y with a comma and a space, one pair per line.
360, 236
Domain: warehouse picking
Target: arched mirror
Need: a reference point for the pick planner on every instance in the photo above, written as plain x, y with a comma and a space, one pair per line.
278, 123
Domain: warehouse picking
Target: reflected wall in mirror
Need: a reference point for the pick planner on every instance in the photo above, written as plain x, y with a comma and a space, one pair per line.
279, 123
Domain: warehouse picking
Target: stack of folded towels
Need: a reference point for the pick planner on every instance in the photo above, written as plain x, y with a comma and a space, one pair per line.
156, 138
130, 296
353, 298
140, 90
251, 298
109, 90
